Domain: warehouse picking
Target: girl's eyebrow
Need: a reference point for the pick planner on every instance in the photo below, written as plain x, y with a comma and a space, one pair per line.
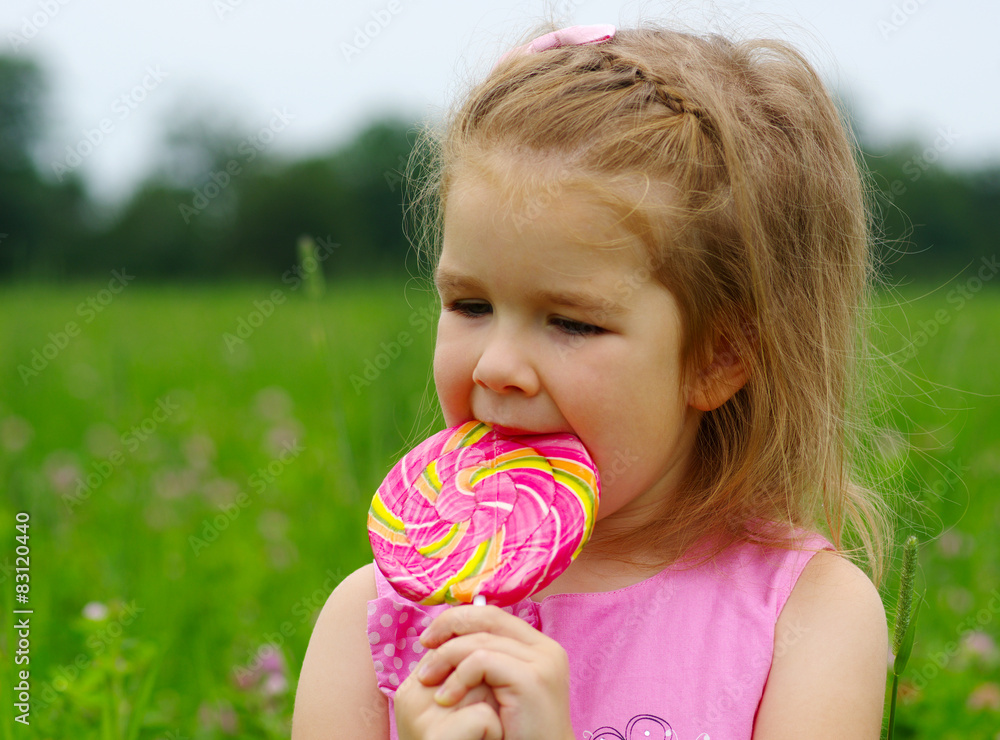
585, 300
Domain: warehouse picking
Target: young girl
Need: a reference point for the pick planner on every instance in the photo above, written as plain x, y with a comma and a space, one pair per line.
657, 242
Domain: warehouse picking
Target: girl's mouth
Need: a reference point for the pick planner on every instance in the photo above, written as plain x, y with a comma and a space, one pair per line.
513, 431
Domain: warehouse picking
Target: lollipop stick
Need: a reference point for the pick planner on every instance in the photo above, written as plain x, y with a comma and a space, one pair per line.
479, 600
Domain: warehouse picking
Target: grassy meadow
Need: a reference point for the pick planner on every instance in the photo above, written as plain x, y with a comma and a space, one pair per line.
197, 463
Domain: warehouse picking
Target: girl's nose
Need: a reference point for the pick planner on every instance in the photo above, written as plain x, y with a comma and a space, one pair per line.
505, 366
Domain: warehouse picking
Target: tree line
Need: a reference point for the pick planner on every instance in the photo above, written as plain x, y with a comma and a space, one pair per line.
223, 206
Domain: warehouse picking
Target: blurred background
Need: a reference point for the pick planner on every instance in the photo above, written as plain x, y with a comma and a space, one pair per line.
215, 341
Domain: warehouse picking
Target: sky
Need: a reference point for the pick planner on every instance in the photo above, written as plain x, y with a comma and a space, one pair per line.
302, 76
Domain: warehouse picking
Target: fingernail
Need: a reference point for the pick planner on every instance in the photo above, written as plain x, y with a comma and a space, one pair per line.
424, 670
442, 696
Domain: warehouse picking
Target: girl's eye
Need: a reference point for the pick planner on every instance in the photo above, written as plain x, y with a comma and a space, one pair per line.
578, 328
470, 309
474, 309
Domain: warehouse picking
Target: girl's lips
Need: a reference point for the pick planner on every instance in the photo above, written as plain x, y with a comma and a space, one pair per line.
510, 431
514, 431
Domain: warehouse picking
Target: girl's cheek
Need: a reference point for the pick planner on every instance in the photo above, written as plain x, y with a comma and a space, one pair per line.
453, 388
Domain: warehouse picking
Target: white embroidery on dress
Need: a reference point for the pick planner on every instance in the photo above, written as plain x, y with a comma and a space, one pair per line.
640, 727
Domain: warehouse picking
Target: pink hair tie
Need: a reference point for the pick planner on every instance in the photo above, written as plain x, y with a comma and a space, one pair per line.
572, 36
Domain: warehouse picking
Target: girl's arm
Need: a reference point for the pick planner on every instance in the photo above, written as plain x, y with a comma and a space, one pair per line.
337, 694
831, 649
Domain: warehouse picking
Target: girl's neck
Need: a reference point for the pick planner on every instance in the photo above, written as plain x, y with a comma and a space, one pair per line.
595, 573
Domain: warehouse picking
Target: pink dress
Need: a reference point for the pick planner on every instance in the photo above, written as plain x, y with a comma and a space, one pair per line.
683, 654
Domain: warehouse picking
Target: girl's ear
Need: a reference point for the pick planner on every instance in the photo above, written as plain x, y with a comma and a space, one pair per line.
720, 379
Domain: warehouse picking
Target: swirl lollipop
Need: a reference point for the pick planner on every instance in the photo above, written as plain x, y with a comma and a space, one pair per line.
472, 513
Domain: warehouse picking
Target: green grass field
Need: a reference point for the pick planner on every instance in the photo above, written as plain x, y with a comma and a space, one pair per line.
197, 464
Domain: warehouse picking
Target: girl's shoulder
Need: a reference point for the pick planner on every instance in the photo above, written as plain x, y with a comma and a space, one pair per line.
832, 636
337, 686
831, 583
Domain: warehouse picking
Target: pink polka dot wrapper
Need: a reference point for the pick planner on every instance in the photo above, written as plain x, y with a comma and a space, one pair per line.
471, 512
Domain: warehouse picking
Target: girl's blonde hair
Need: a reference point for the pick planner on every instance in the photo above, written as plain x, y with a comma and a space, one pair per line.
731, 163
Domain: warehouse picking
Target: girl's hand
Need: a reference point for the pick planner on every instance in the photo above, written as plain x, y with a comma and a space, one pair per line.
419, 717
527, 671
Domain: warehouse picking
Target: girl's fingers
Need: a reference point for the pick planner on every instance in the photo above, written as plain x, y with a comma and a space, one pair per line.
480, 693
466, 619
474, 722
498, 670
473, 717
435, 666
